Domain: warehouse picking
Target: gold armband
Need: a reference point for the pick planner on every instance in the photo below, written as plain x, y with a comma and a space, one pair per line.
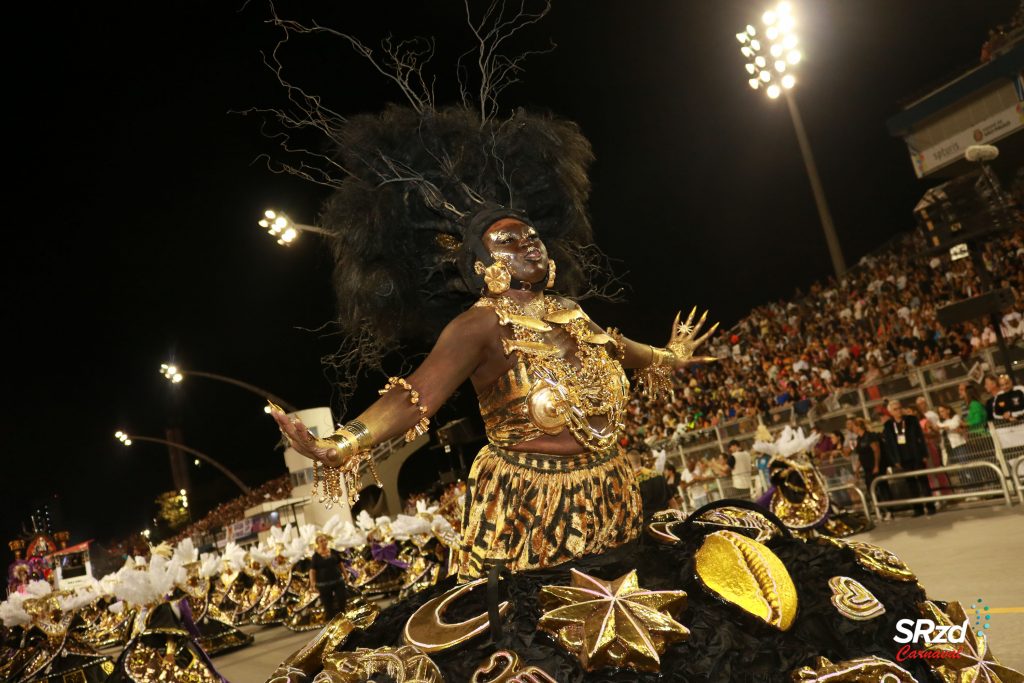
345, 443
363, 437
352, 443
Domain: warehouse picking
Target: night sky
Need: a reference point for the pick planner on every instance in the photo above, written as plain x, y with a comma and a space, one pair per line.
135, 191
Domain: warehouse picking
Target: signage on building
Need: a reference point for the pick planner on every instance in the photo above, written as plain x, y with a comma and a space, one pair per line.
995, 127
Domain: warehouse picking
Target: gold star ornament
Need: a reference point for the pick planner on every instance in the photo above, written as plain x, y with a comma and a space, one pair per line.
612, 623
975, 662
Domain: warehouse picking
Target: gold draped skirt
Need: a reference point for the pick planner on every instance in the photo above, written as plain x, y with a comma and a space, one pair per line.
532, 510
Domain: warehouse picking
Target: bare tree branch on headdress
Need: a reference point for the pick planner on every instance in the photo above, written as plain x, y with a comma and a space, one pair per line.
497, 71
402, 62
602, 281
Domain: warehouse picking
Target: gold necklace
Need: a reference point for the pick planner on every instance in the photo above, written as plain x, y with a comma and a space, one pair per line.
596, 387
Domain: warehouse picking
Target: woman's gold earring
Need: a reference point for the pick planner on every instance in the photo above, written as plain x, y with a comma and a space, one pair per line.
551, 274
496, 276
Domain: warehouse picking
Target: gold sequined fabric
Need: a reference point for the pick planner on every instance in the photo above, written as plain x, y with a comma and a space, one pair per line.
502, 407
545, 392
533, 510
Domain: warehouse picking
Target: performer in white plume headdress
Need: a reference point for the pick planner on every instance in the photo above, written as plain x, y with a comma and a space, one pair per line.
798, 494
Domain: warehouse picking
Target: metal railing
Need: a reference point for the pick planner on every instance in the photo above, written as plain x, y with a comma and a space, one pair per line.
919, 500
859, 495
1017, 472
936, 382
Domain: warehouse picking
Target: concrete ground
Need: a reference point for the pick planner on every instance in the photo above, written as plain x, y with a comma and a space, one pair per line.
965, 554
961, 554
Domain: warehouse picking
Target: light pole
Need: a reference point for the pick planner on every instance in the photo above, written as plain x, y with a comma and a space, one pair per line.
770, 67
128, 439
176, 375
279, 225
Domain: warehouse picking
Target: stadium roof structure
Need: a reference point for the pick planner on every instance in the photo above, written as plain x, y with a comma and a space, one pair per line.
982, 106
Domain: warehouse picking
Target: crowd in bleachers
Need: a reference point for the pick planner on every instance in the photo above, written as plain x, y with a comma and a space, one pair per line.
1003, 36
880, 320
234, 510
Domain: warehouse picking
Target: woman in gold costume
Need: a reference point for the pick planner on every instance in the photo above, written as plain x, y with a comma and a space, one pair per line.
468, 232
552, 484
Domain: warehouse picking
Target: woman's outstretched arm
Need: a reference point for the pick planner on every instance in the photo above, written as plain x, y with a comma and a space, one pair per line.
458, 352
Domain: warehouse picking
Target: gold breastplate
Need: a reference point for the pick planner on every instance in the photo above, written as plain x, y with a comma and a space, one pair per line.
545, 392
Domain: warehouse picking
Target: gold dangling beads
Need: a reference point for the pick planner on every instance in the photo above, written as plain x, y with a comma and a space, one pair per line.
423, 425
551, 274
496, 276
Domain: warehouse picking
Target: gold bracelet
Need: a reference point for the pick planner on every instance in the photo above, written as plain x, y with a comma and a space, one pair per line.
662, 358
345, 443
364, 439
423, 425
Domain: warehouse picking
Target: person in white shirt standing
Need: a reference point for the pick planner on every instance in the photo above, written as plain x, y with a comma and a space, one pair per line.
741, 464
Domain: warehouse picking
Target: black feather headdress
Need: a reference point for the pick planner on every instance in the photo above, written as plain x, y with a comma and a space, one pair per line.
423, 188
415, 186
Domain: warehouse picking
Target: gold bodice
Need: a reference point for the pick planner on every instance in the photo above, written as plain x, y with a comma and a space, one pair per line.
546, 393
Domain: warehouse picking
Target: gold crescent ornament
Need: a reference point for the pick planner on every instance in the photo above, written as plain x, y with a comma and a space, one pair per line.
427, 630
853, 600
749, 575
660, 526
612, 623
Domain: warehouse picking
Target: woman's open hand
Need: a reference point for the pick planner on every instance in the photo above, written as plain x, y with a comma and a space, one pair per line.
684, 340
302, 440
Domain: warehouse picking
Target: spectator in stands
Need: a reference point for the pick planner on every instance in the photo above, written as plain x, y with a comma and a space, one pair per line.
991, 384
927, 413
739, 462
720, 466
952, 428
906, 449
929, 420
1008, 402
879, 320
826, 445
871, 461
672, 485
694, 477
977, 415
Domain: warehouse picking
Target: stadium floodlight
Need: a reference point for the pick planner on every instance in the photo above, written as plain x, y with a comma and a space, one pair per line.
176, 374
127, 440
779, 52
172, 373
280, 226
770, 68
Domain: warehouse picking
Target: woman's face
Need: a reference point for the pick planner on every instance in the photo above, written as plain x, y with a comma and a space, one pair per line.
519, 246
